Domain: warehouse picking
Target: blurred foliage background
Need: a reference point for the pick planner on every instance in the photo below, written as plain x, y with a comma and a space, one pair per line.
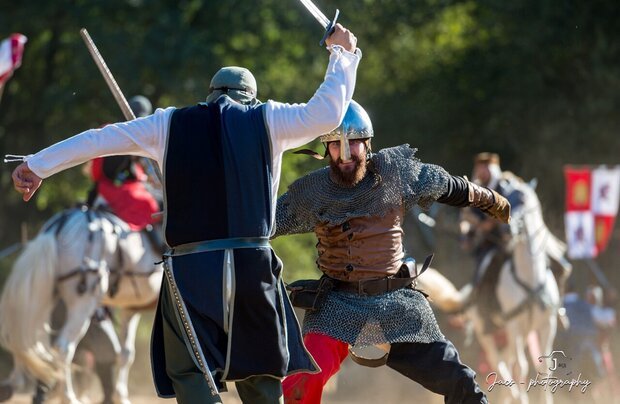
535, 80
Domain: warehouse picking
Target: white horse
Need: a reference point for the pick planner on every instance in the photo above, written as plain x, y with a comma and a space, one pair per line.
526, 291
87, 258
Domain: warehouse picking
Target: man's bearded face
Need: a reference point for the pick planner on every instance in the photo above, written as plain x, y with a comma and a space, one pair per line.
481, 174
352, 172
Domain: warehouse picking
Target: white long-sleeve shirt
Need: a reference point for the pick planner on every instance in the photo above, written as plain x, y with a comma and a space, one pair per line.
290, 126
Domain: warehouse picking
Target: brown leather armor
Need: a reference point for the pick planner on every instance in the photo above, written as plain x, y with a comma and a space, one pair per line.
362, 247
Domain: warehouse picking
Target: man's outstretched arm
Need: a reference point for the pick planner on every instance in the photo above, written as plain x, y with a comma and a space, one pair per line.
145, 137
293, 125
424, 184
462, 193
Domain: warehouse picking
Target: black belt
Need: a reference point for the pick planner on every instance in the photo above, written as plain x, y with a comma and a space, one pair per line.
372, 287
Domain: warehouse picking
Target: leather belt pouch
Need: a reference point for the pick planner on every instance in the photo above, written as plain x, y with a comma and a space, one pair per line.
309, 294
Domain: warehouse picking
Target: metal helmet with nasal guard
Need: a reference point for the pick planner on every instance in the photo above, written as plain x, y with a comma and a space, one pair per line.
356, 124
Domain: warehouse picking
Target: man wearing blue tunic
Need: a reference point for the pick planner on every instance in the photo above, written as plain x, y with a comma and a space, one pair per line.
223, 314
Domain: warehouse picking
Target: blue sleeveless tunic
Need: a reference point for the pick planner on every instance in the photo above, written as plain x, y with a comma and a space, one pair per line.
217, 180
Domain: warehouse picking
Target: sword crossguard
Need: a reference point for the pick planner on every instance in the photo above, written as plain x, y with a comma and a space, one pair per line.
330, 28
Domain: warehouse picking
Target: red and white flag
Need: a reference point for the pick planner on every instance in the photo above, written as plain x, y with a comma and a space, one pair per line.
11, 51
592, 197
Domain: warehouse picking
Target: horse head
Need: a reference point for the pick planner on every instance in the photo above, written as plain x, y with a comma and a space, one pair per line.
526, 212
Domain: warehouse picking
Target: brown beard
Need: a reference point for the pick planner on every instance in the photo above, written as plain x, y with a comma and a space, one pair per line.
348, 178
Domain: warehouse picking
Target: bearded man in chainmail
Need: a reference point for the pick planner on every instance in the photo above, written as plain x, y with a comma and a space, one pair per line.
356, 207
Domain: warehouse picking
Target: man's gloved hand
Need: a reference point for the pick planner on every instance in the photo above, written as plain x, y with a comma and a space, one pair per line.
489, 201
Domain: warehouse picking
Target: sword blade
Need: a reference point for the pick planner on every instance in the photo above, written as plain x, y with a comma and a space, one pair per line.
316, 13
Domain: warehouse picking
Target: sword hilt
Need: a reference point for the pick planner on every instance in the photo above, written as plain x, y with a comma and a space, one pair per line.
330, 28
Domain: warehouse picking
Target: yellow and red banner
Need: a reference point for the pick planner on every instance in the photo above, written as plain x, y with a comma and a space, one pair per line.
592, 196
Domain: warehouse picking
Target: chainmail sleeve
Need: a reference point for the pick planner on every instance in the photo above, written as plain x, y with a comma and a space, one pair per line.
396, 177
430, 183
420, 183
291, 218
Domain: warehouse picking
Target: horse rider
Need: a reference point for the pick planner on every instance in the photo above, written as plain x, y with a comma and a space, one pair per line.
120, 182
489, 239
485, 234
367, 294
221, 161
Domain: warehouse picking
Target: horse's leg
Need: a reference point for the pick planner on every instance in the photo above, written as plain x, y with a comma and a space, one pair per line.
79, 312
498, 366
487, 344
506, 368
13, 383
522, 366
102, 341
498, 362
546, 334
129, 320
6, 392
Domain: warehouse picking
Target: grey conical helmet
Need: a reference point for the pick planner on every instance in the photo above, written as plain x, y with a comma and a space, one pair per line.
356, 124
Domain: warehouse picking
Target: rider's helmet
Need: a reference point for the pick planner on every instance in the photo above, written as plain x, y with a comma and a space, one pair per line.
140, 105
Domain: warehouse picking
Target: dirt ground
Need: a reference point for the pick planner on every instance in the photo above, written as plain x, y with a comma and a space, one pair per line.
355, 385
